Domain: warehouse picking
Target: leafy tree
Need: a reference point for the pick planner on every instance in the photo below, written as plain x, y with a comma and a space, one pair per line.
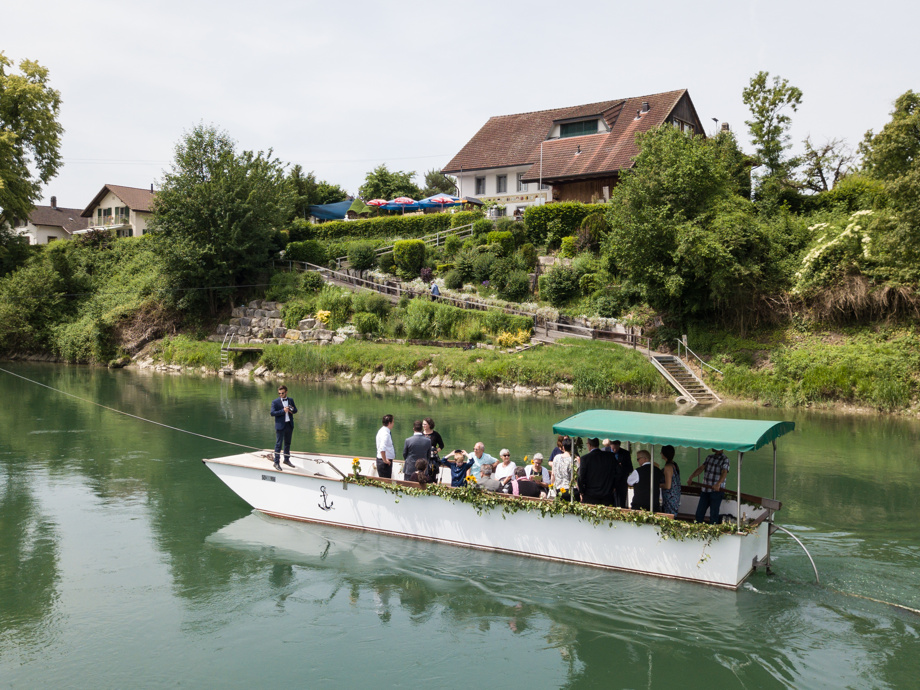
214, 217
14, 249
769, 127
30, 136
893, 157
305, 191
380, 183
680, 230
437, 182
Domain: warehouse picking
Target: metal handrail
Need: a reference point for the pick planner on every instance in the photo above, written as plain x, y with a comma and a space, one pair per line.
682, 343
398, 291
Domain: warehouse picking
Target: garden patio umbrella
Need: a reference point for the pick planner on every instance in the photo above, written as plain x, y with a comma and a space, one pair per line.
402, 202
376, 202
439, 201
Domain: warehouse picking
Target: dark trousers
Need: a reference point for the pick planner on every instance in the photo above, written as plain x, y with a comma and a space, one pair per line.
283, 437
712, 501
384, 470
599, 500
621, 494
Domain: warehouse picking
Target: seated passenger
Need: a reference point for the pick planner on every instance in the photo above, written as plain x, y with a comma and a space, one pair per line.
522, 485
486, 482
459, 464
642, 480
537, 471
504, 470
421, 472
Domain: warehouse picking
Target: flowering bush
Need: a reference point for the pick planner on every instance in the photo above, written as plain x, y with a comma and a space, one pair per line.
323, 316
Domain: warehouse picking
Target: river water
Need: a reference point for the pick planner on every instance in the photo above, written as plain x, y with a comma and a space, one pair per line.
124, 562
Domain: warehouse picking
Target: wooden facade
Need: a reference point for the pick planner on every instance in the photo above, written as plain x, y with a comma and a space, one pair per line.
586, 191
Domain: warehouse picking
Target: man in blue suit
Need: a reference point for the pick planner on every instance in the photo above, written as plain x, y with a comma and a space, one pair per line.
283, 410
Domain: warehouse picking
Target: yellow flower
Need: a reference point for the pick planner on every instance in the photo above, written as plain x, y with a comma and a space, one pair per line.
471, 479
323, 315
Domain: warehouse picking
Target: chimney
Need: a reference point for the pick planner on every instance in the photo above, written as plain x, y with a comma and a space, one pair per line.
638, 114
725, 127
54, 202
151, 187
645, 106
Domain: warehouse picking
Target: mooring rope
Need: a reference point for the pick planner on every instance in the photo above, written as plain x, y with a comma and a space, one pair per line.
260, 452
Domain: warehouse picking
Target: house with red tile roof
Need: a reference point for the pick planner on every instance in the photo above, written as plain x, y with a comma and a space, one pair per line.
566, 154
123, 210
47, 224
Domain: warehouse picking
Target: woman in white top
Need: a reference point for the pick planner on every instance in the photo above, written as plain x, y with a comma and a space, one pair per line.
504, 470
563, 468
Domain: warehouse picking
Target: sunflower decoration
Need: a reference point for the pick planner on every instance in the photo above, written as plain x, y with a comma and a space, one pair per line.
471, 480
356, 467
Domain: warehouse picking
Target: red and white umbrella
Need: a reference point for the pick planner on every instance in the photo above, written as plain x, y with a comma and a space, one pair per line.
443, 199
403, 201
376, 202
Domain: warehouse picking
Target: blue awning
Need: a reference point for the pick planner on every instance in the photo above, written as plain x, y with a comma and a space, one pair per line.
334, 211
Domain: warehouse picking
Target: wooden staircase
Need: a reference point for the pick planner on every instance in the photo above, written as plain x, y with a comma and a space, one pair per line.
684, 381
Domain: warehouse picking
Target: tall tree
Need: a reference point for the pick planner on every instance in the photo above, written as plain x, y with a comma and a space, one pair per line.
682, 232
30, 136
214, 217
437, 182
769, 126
306, 191
380, 183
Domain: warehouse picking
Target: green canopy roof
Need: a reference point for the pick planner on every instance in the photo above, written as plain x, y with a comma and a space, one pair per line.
664, 429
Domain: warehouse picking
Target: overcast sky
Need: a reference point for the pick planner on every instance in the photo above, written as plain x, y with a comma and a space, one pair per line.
341, 87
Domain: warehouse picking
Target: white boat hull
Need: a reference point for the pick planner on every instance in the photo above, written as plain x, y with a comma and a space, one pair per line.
314, 492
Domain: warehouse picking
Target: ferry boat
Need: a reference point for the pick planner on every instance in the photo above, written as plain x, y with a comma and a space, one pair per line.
344, 491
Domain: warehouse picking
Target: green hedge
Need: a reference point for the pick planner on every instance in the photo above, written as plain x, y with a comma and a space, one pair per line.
374, 228
504, 239
310, 251
569, 214
465, 218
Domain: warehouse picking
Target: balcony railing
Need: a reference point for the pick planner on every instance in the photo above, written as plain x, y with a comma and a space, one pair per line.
110, 221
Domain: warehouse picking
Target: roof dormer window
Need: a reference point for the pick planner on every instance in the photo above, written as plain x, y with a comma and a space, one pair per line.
577, 129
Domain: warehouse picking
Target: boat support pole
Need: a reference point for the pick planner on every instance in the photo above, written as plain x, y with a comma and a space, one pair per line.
783, 529
738, 493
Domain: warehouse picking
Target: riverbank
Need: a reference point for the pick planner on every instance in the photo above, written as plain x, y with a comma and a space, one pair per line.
577, 367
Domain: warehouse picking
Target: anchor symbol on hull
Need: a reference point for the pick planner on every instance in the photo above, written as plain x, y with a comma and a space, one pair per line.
326, 504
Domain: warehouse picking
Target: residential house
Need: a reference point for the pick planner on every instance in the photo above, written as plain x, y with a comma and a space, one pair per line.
49, 223
124, 210
565, 154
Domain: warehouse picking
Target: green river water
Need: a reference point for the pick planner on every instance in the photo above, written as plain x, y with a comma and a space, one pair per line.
124, 562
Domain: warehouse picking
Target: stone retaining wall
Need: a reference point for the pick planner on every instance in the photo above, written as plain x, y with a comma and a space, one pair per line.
260, 323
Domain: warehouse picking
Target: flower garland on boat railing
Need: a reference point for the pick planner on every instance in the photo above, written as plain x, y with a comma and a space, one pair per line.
485, 501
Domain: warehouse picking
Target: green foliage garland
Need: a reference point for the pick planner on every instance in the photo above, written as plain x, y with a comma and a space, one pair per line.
487, 501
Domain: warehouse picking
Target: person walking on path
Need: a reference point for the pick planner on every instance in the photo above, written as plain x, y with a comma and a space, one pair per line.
283, 410
386, 453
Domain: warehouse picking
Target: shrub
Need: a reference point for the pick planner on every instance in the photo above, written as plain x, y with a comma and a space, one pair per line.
296, 310
452, 245
409, 256
337, 302
504, 240
312, 281
559, 285
567, 247
387, 263
310, 251
495, 322
482, 267
462, 218
453, 280
482, 227
284, 286
368, 324
371, 302
444, 268
361, 256
420, 316
516, 287
464, 264
569, 215
528, 255
589, 283
506, 339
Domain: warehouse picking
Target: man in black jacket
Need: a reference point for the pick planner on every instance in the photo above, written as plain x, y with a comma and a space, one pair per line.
645, 479
416, 447
597, 475
624, 469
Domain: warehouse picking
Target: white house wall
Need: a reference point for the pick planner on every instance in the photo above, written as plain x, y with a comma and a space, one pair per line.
512, 199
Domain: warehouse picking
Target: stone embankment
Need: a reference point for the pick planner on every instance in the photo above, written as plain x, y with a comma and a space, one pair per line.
260, 323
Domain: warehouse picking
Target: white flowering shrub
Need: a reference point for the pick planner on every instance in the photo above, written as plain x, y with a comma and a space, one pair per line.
841, 247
